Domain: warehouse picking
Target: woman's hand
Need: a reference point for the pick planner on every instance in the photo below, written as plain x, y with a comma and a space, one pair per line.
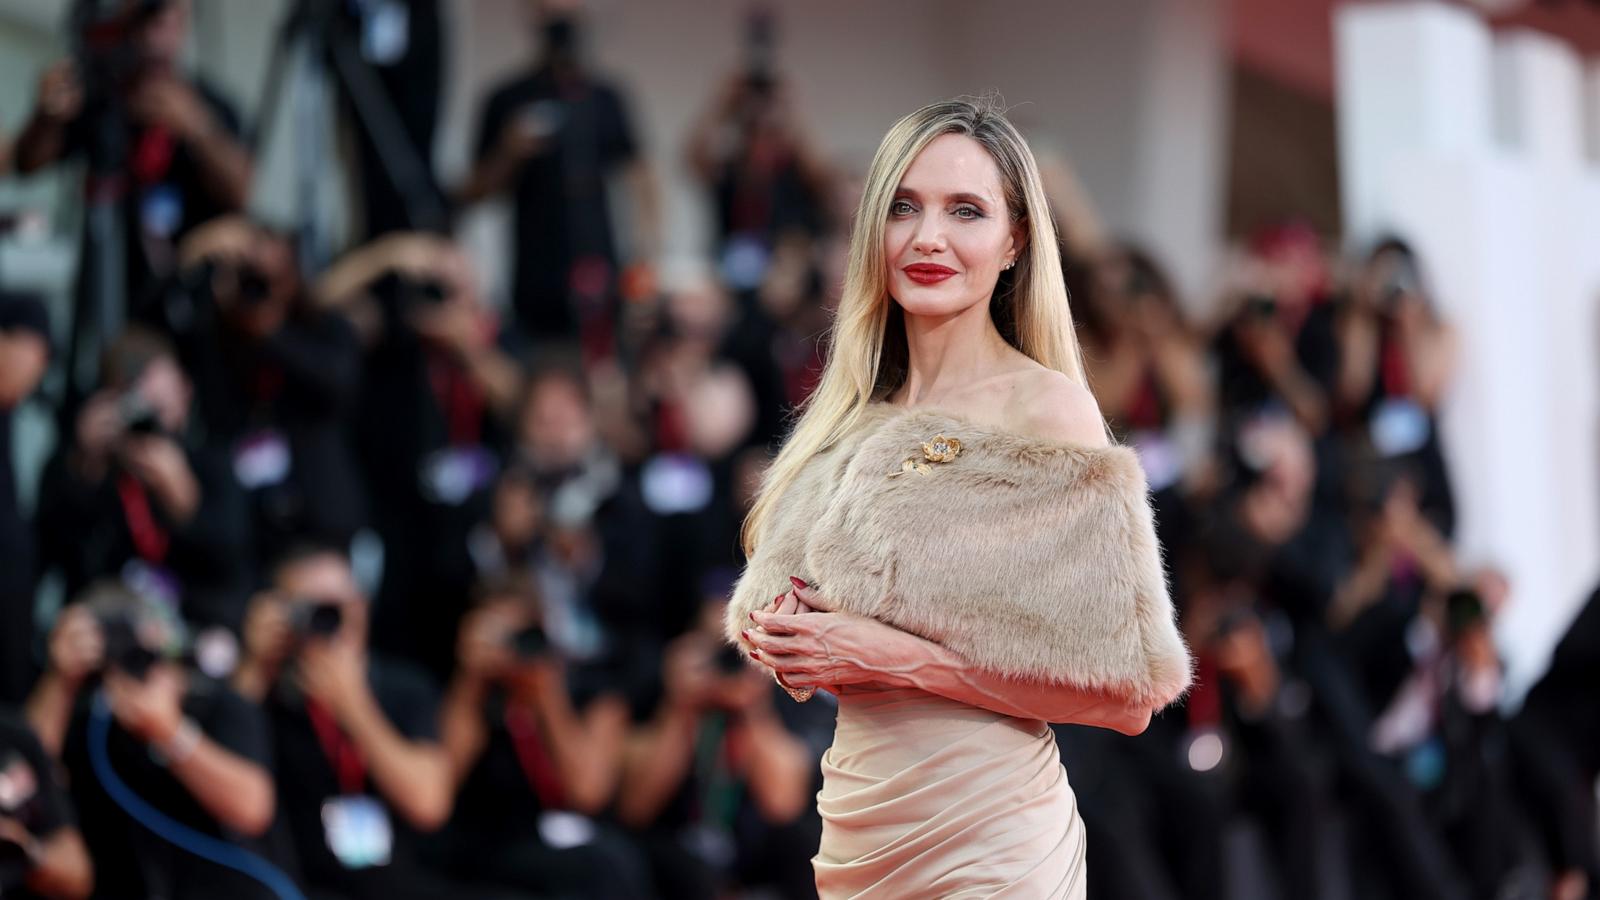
812, 647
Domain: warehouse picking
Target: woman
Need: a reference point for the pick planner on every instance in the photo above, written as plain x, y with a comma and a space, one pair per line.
969, 557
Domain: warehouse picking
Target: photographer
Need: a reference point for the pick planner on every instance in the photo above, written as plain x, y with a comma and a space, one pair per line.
1443, 728
24, 355
174, 141
429, 427
1396, 359
752, 153
551, 138
535, 745
715, 783
276, 381
186, 745
41, 851
129, 496
359, 766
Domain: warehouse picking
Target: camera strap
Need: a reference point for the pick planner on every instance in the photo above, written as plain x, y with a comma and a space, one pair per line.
348, 766
537, 766
150, 540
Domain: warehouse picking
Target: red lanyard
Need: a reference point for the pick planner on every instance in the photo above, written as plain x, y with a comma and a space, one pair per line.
341, 752
152, 154
537, 766
150, 540
1396, 374
461, 402
1205, 700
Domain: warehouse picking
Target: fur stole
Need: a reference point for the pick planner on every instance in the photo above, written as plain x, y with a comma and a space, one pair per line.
1028, 557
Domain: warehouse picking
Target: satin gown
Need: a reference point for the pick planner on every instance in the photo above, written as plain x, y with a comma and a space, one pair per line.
924, 797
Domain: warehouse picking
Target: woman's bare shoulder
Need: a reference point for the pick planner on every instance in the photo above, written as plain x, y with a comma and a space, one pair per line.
1049, 405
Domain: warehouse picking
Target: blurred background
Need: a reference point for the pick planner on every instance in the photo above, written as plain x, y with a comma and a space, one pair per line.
383, 384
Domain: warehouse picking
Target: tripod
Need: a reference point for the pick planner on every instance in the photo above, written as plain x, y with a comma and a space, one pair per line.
318, 39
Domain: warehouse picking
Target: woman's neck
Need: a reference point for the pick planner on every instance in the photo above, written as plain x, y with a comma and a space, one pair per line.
949, 354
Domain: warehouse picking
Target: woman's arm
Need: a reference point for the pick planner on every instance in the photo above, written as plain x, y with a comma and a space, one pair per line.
828, 649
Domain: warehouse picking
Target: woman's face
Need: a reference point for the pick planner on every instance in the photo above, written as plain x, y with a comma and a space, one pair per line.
949, 231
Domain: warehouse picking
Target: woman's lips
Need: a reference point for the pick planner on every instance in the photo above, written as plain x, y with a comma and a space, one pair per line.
928, 273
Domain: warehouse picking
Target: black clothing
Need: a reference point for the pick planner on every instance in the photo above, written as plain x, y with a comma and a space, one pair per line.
307, 779
17, 655
564, 243
90, 530
429, 447
131, 861
1556, 738
291, 391
494, 835
410, 71
165, 196
40, 804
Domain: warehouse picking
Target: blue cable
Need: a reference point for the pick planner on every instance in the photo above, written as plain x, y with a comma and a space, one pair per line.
182, 836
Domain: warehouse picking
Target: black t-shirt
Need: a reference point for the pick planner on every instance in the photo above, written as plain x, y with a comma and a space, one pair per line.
510, 785
560, 204
87, 531
32, 794
130, 860
167, 193
307, 778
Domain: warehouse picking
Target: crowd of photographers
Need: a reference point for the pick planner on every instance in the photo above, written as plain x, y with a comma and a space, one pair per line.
371, 591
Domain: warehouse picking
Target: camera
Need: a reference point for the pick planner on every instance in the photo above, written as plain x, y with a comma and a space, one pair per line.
251, 287
1463, 609
124, 650
728, 661
316, 617
422, 291
530, 643
137, 415
1262, 307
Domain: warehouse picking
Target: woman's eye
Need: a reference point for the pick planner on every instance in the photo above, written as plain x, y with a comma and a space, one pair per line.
968, 212
900, 208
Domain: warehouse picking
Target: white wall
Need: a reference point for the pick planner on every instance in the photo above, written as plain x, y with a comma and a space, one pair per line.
1469, 144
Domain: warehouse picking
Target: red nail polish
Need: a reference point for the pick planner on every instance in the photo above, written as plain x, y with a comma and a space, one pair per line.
755, 654
798, 583
752, 615
745, 635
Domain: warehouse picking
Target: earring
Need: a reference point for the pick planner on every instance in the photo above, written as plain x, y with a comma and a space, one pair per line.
1009, 264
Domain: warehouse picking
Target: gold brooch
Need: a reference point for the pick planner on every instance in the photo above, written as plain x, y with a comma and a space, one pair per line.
940, 449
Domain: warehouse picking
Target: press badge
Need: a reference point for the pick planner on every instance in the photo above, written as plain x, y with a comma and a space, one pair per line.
452, 475
358, 831
1399, 426
262, 459
565, 830
161, 210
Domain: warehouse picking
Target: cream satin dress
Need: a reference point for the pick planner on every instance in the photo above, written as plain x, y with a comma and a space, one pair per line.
924, 797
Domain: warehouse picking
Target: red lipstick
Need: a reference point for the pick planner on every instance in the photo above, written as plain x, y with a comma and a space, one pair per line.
928, 273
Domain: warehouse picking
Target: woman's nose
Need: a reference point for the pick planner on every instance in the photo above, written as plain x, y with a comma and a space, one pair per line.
929, 237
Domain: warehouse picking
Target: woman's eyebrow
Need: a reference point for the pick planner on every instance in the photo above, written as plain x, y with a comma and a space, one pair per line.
961, 197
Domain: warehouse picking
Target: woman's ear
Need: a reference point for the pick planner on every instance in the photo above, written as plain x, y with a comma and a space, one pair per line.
1019, 241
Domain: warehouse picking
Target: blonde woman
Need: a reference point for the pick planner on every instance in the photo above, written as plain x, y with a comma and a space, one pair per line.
949, 543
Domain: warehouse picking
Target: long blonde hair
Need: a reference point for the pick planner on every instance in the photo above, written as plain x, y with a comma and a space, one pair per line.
868, 354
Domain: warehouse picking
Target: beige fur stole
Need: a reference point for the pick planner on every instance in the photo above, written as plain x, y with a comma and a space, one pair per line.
1028, 557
